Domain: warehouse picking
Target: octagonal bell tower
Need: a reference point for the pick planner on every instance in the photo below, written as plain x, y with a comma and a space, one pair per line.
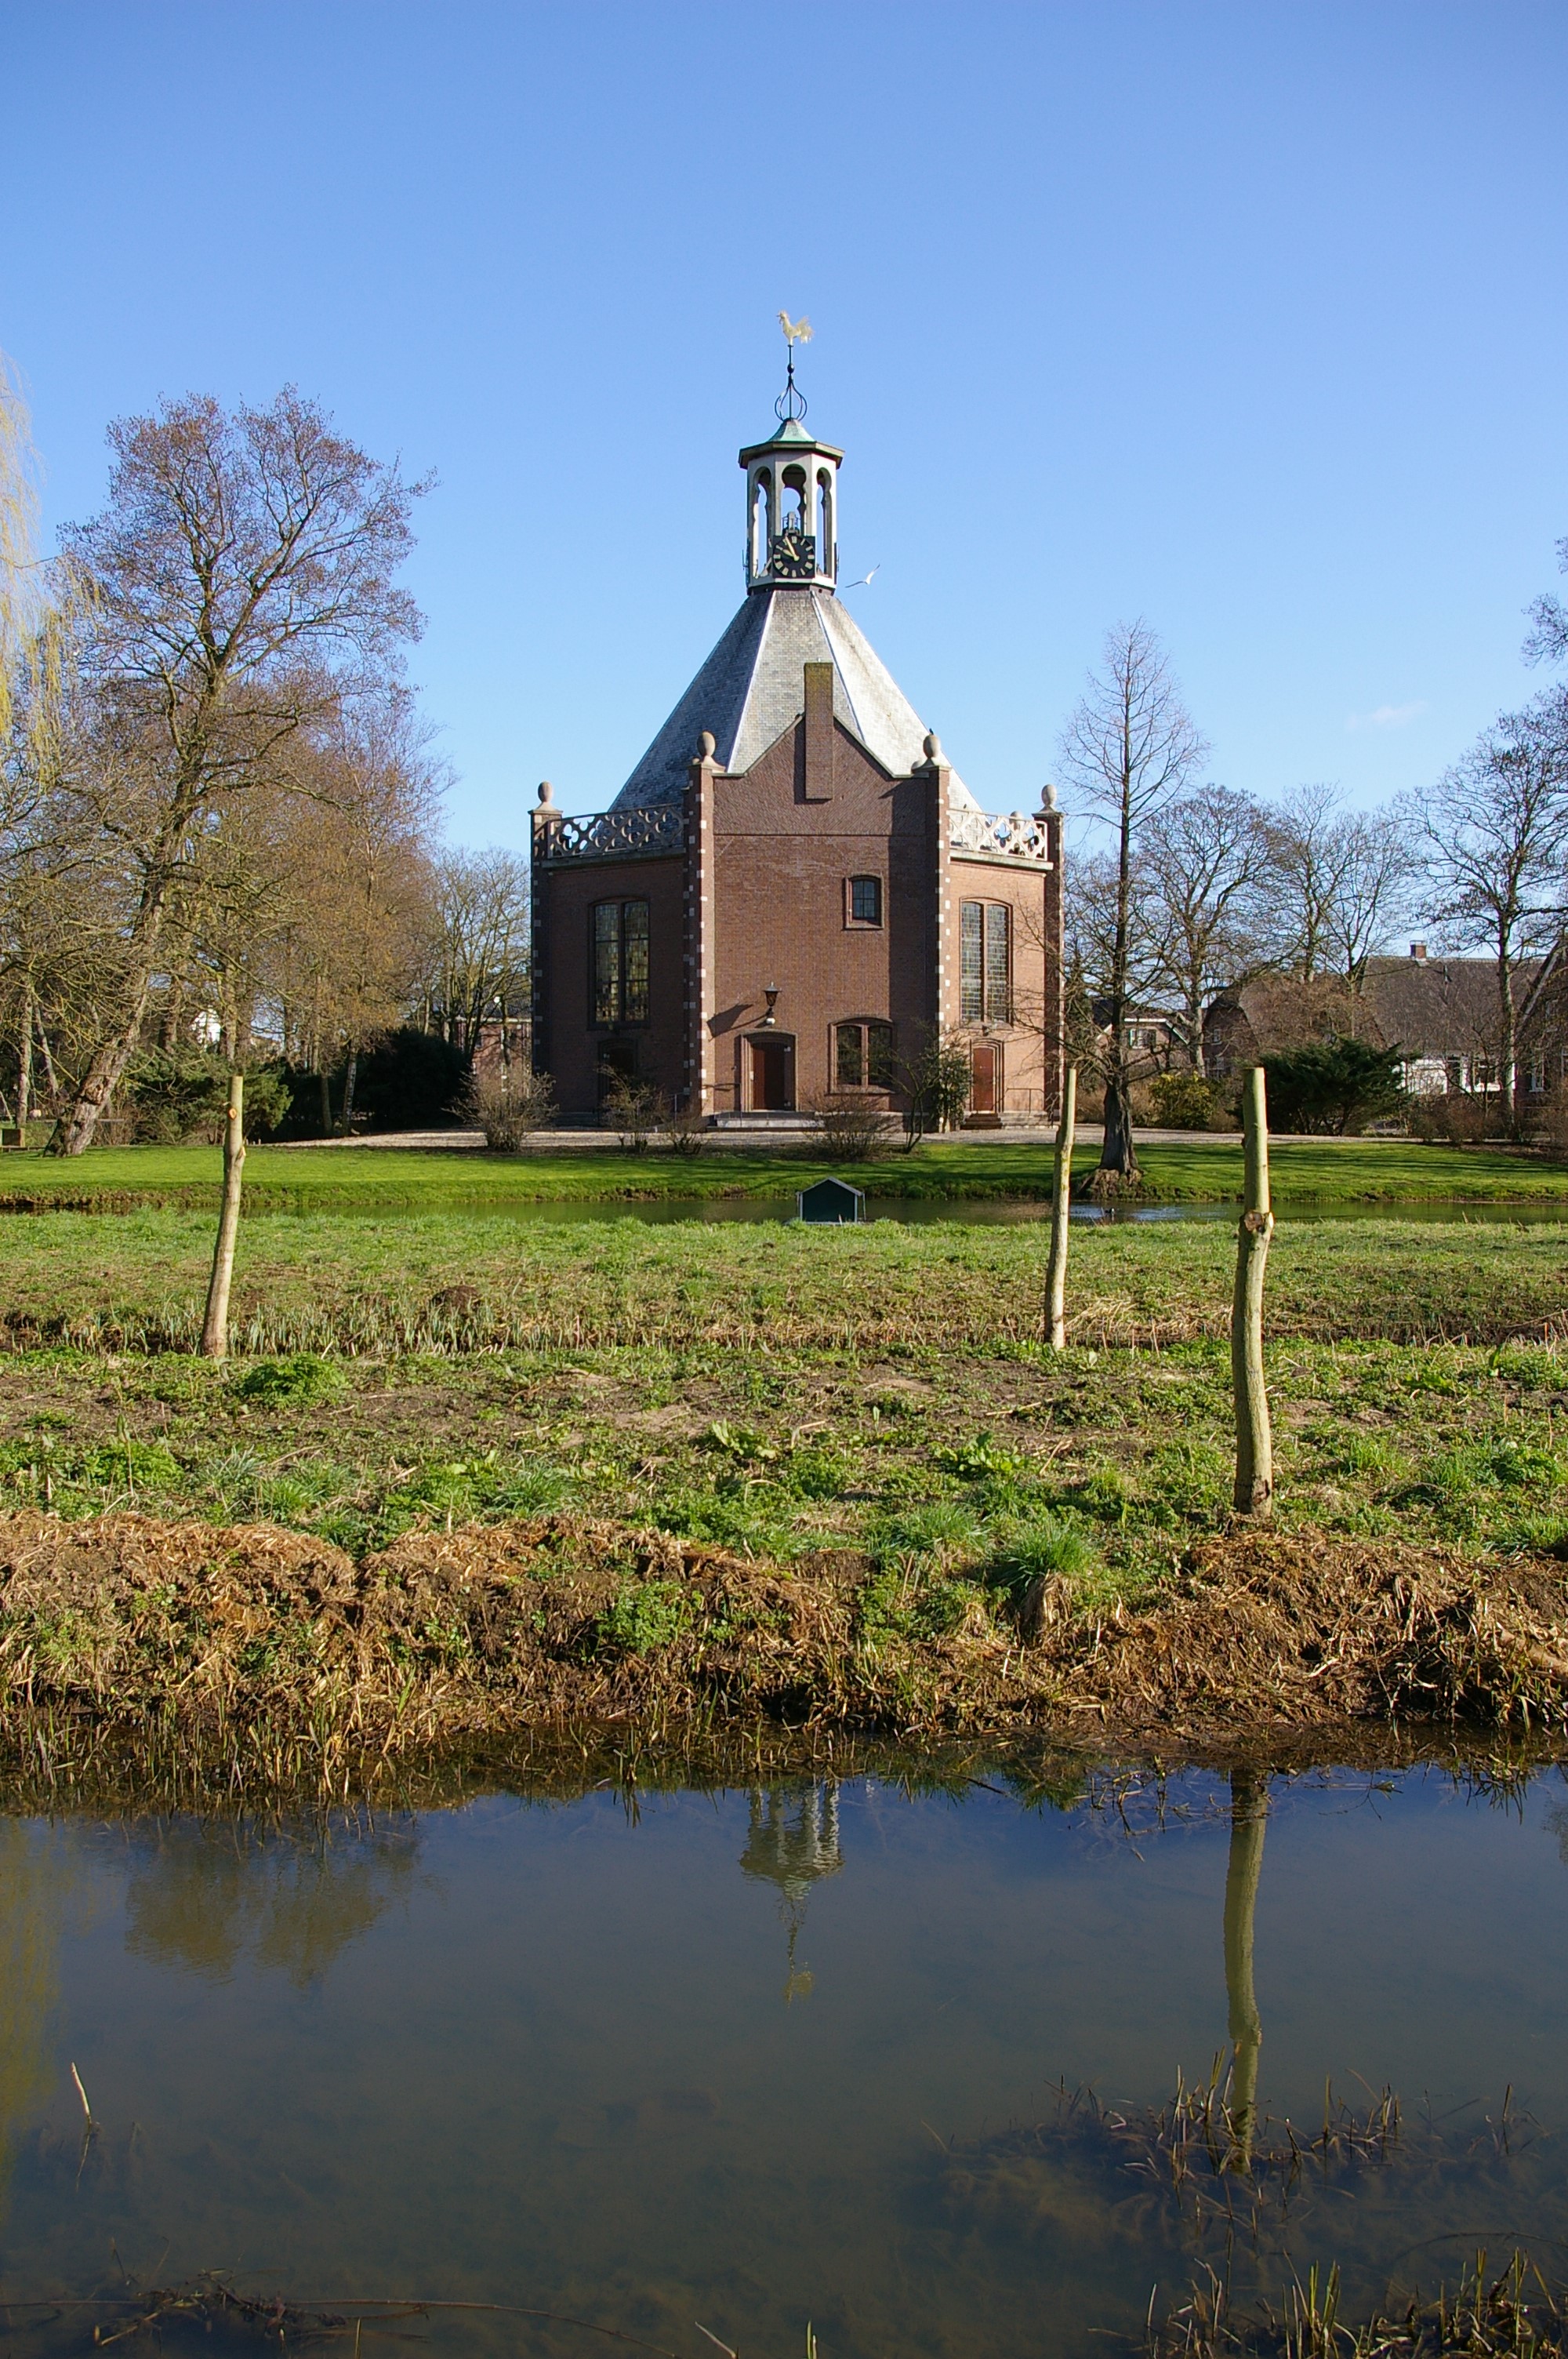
791, 502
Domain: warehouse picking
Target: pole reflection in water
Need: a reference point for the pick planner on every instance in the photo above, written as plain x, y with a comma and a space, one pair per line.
792, 1841
36, 1883
1248, 1818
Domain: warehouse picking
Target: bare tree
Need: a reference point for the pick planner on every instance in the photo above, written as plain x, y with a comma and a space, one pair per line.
478, 970
1495, 838
63, 887
1378, 873
1548, 640
1307, 855
1202, 871
348, 963
1130, 749
239, 581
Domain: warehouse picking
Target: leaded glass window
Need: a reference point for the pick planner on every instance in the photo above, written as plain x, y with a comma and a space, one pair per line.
999, 963
971, 962
985, 962
620, 962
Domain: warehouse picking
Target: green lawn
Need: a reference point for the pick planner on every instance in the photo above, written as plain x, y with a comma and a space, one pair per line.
777, 1389
299, 1178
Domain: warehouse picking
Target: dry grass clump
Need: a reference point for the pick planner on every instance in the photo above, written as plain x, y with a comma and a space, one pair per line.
1296, 1629
211, 1635
445, 1636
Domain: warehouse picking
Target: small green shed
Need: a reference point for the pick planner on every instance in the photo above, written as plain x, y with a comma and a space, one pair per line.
831, 1199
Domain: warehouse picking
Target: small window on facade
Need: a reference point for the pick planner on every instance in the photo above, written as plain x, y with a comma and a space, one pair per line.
985, 962
620, 962
866, 900
862, 1055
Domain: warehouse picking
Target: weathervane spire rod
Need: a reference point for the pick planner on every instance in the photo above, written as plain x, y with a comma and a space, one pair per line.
791, 402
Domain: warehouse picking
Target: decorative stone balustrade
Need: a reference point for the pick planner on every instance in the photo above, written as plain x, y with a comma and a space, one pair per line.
614, 834
1014, 836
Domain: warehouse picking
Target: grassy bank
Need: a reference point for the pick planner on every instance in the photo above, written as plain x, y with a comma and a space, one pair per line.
1326, 1172
456, 1284
862, 1420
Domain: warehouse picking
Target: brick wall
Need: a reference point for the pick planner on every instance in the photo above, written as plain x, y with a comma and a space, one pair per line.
786, 842
782, 842
566, 1045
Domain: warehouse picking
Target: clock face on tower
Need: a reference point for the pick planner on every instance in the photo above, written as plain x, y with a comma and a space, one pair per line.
792, 554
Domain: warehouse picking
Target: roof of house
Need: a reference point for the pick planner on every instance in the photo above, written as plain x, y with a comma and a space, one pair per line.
1434, 1007
1425, 1007
750, 690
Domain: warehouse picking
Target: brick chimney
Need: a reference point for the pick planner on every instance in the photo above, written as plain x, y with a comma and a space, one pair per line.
818, 733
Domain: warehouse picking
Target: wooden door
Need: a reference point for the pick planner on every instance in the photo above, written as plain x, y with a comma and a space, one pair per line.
772, 1077
985, 1077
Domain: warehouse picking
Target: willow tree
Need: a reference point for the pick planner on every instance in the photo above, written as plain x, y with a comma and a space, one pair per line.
1130, 749
20, 579
60, 911
238, 585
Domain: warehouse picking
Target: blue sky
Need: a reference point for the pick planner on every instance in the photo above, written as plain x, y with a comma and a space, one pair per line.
1246, 319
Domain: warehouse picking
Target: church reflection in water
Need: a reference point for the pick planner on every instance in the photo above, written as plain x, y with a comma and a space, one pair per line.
792, 1843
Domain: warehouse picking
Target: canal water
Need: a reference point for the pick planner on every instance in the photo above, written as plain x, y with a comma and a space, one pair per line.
901, 2067
972, 1213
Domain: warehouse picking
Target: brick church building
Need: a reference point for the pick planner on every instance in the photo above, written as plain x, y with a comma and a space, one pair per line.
795, 890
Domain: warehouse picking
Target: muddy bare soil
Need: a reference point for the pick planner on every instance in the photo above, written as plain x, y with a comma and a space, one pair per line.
276, 1654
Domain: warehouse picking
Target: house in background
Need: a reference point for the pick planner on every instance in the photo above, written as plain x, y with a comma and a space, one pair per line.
1440, 1013
795, 890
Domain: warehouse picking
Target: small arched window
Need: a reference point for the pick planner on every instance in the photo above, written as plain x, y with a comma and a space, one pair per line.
794, 518
762, 518
827, 554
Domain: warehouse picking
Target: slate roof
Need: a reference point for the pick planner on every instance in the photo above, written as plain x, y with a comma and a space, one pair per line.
751, 689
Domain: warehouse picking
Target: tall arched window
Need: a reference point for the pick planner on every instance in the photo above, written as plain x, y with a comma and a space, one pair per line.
827, 554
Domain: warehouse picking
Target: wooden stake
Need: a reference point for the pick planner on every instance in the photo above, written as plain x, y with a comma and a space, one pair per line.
1254, 1438
215, 1326
1061, 1190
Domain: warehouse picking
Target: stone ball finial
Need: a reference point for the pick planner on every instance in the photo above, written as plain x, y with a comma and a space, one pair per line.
1048, 797
933, 746
546, 792
706, 746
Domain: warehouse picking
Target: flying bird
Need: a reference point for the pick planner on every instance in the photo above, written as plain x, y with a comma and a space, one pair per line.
796, 332
863, 579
